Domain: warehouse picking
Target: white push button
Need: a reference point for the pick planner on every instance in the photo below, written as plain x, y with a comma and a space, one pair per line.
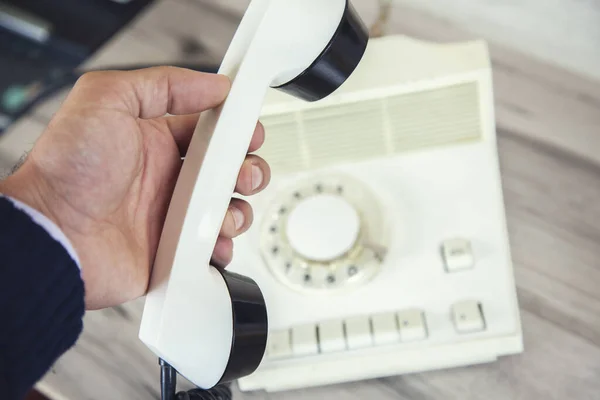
412, 325
468, 316
331, 336
385, 329
358, 333
457, 254
304, 340
279, 344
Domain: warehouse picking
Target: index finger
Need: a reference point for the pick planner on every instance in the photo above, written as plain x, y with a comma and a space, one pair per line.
153, 92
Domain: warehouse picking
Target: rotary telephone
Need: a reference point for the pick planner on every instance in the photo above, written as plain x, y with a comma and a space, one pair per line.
381, 245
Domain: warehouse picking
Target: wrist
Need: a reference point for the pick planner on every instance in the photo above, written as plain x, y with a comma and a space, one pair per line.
27, 193
26, 187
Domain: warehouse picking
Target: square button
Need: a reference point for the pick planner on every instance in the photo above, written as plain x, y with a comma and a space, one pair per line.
468, 316
304, 340
331, 336
279, 344
385, 329
457, 255
358, 332
412, 325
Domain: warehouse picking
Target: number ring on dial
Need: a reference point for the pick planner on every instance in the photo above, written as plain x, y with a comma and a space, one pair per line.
356, 265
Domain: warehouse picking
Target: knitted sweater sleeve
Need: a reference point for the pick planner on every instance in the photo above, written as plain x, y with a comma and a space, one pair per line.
41, 298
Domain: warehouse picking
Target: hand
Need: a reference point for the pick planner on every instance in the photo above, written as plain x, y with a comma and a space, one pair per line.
105, 168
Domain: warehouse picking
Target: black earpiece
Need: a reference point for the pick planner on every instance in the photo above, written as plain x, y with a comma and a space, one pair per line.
336, 63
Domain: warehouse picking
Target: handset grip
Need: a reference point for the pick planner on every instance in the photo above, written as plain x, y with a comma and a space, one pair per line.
215, 156
184, 286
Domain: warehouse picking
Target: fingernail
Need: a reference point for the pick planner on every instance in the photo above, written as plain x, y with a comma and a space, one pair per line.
257, 177
238, 218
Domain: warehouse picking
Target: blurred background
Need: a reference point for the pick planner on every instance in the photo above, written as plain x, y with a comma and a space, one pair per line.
546, 60
561, 34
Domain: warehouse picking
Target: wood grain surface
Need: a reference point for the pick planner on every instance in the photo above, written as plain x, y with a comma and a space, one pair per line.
548, 116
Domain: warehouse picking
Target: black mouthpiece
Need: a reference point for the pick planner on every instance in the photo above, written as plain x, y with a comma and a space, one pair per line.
250, 326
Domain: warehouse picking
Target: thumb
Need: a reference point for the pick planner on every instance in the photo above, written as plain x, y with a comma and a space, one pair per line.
151, 92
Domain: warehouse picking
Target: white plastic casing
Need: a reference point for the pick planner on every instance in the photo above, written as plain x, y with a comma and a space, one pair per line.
414, 126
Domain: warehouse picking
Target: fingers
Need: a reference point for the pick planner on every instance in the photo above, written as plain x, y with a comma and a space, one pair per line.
182, 128
152, 92
238, 219
223, 252
254, 176
258, 139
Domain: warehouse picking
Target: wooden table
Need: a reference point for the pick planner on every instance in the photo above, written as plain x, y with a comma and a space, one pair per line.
547, 88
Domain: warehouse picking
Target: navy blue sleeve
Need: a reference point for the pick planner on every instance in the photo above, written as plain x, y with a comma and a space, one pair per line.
41, 302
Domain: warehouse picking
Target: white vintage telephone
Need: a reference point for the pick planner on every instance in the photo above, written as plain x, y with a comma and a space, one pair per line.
381, 245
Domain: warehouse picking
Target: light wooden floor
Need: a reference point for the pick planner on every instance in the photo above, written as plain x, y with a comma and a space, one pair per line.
547, 83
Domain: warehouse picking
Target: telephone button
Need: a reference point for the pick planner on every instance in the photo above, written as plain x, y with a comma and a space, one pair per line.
385, 329
358, 332
331, 336
412, 325
468, 316
457, 255
279, 344
304, 340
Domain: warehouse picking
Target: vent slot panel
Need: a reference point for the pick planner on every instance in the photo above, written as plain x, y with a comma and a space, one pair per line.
350, 132
434, 117
282, 147
365, 130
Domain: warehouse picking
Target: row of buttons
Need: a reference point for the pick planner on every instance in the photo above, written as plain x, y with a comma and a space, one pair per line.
360, 332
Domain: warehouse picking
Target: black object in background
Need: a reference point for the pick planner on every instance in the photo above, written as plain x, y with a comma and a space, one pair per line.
42, 43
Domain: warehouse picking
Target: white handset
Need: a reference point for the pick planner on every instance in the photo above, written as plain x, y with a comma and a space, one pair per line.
210, 324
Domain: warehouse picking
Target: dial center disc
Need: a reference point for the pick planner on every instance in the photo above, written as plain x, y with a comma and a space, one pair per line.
323, 227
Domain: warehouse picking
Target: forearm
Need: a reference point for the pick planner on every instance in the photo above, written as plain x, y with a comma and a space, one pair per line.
41, 297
